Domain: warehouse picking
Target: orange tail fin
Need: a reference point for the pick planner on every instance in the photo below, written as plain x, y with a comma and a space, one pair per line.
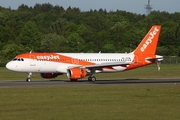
149, 43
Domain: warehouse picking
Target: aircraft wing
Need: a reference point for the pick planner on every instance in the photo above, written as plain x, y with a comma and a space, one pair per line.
101, 65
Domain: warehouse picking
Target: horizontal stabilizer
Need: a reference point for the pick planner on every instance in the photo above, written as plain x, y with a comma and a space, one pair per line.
158, 58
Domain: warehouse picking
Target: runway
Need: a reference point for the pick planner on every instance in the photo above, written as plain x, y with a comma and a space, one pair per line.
51, 83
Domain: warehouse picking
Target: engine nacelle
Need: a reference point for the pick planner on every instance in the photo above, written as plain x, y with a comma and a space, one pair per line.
50, 75
76, 73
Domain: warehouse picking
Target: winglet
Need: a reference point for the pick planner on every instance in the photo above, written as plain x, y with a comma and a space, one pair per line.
149, 43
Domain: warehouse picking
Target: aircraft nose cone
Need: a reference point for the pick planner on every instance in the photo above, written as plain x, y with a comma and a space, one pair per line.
10, 66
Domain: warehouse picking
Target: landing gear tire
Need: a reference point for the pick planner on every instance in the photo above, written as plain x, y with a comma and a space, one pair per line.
93, 79
28, 80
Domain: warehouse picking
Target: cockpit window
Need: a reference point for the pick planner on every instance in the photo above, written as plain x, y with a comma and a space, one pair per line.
14, 59
18, 59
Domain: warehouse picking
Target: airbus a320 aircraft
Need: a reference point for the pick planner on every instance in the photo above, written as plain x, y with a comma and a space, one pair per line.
80, 65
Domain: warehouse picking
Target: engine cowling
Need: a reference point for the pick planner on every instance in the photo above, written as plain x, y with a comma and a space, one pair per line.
76, 73
49, 75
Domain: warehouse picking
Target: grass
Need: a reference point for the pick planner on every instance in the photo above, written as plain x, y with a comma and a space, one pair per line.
148, 102
125, 102
167, 71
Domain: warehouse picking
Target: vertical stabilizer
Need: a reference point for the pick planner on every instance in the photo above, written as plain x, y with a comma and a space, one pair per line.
149, 43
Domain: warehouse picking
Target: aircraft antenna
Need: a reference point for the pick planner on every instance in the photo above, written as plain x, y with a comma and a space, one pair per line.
148, 8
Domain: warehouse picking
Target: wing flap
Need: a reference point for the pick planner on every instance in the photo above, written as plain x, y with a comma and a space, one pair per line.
108, 64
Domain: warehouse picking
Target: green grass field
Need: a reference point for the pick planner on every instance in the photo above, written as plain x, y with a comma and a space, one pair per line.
134, 102
124, 102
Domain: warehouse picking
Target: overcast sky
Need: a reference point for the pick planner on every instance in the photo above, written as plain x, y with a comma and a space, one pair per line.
135, 6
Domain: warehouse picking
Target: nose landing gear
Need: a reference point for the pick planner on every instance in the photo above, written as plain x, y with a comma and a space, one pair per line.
29, 77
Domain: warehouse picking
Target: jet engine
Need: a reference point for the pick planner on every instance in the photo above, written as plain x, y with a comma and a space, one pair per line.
50, 75
76, 73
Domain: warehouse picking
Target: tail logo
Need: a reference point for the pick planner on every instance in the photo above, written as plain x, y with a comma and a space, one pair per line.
149, 40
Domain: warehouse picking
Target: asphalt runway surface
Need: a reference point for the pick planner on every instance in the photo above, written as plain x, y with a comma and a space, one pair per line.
51, 83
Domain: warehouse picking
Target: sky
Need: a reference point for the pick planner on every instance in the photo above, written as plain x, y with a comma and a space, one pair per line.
134, 6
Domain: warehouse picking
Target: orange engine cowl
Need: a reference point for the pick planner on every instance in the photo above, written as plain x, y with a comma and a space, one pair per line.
76, 73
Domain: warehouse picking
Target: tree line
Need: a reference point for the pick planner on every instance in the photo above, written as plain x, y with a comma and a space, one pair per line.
48, 28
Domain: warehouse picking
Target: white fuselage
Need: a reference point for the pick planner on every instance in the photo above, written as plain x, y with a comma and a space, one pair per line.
43, 64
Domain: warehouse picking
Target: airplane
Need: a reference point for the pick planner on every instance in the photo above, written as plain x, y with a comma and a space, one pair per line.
80, 65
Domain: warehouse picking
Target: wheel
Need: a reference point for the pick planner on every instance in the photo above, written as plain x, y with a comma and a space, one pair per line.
28, 80
93, 79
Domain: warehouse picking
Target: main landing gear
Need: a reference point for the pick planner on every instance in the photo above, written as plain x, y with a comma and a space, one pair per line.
90, 78
29, 77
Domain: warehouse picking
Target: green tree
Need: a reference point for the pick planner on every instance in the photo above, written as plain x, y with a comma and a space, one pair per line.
30, 36
43, 8
117, 32
58, 10
87, 34
94, 29
52, 43
168, 34
60, 27
108, 48
6, 36
132, 37
75, 43
162, 51
97, 22
11, 50
23, 7
44, 21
